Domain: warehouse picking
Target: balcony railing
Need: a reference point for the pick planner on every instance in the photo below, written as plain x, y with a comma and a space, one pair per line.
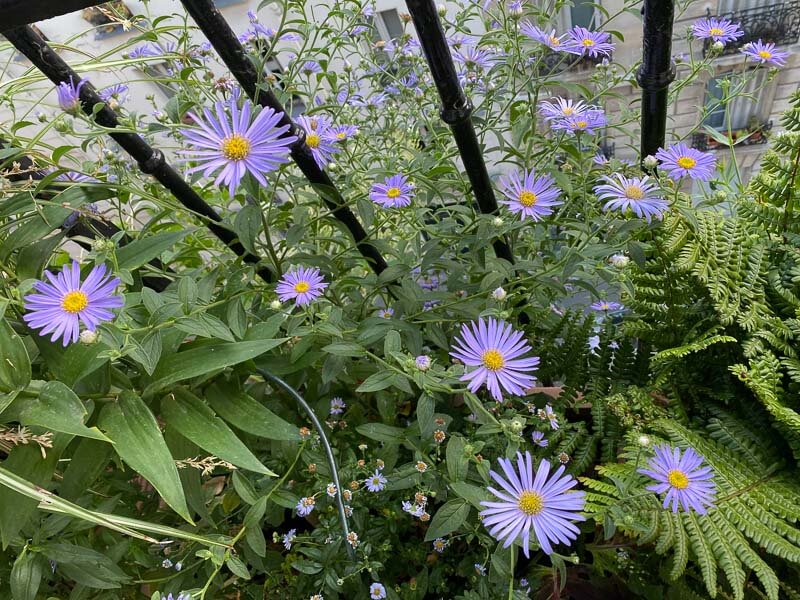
701, 140
557, 62
778, 23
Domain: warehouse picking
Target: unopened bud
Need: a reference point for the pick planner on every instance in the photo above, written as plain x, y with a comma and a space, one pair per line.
650, 162
442, 10
497, 221
89, 337
499, 294
275, 305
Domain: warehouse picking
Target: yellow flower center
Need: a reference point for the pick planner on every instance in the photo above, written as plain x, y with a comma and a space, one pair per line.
235, 147
301, 287
678, 479
312, 139
765, 54
341, 135
531, 503
588, 42
393, 192
581, 124
527, 198
567, 111
686, 162
634, 192
493, 360
555, 41
715, 31
605, 306
75, 302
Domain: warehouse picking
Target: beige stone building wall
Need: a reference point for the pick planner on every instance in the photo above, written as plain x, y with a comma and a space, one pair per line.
770, 91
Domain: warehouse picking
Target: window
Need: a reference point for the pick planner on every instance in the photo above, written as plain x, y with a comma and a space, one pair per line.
746, 110
107, 18
388, 25
728, 6
580, 14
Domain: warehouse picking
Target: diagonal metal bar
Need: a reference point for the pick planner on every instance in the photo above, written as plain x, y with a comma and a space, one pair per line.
18, 13
656, 72
233, 54
85, 227
151, 161
456, 109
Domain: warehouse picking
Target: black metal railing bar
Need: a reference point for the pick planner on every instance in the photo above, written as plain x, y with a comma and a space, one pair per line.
150, 160
226, 43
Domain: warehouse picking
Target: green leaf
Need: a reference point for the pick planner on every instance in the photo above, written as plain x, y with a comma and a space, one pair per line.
246, 413
247, 226
147, 352
139, 252
448, 518
57, 408
205, 325
15, 366
306, 566
32, 258
26, 576
382, 433
138, 441
471, 493
425, 408
204, 359
344, 349
237, 567
457, 462
186, 413
86, 566
377, 381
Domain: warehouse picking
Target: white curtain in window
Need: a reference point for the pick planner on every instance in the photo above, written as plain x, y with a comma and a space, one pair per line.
749, 103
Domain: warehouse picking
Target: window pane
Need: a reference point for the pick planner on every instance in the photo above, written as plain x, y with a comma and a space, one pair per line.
392, 22
715, 116
582, 14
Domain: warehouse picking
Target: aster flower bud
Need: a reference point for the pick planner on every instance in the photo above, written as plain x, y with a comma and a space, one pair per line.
89, 337
423, 362
620, 261
275, 304
720, 195
442, 10
517, 425
650, 162
497, 221
42, 118
499, 294
644, 441
717, 47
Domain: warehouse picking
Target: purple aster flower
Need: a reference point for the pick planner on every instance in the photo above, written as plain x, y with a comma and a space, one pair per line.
765, 53
686, 481
679, 160
357, 30
494, 348
258, 30
377, 591
439, 544
480, 569
562, 108
75, 177
319, 138
594, 343
603, 305
589, 121
311, 66
551, 416
368, 10
385, 313
589, 43
600, 159
538, 438
343, 132
719, 30
288, 538
303, 285
69, 96
61, 305
305, 506
637, 194
394, 192
530, 196
474, 58
237, 144
375, 482
337, 405
541, 502
114, 93
562, 43
423, 362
